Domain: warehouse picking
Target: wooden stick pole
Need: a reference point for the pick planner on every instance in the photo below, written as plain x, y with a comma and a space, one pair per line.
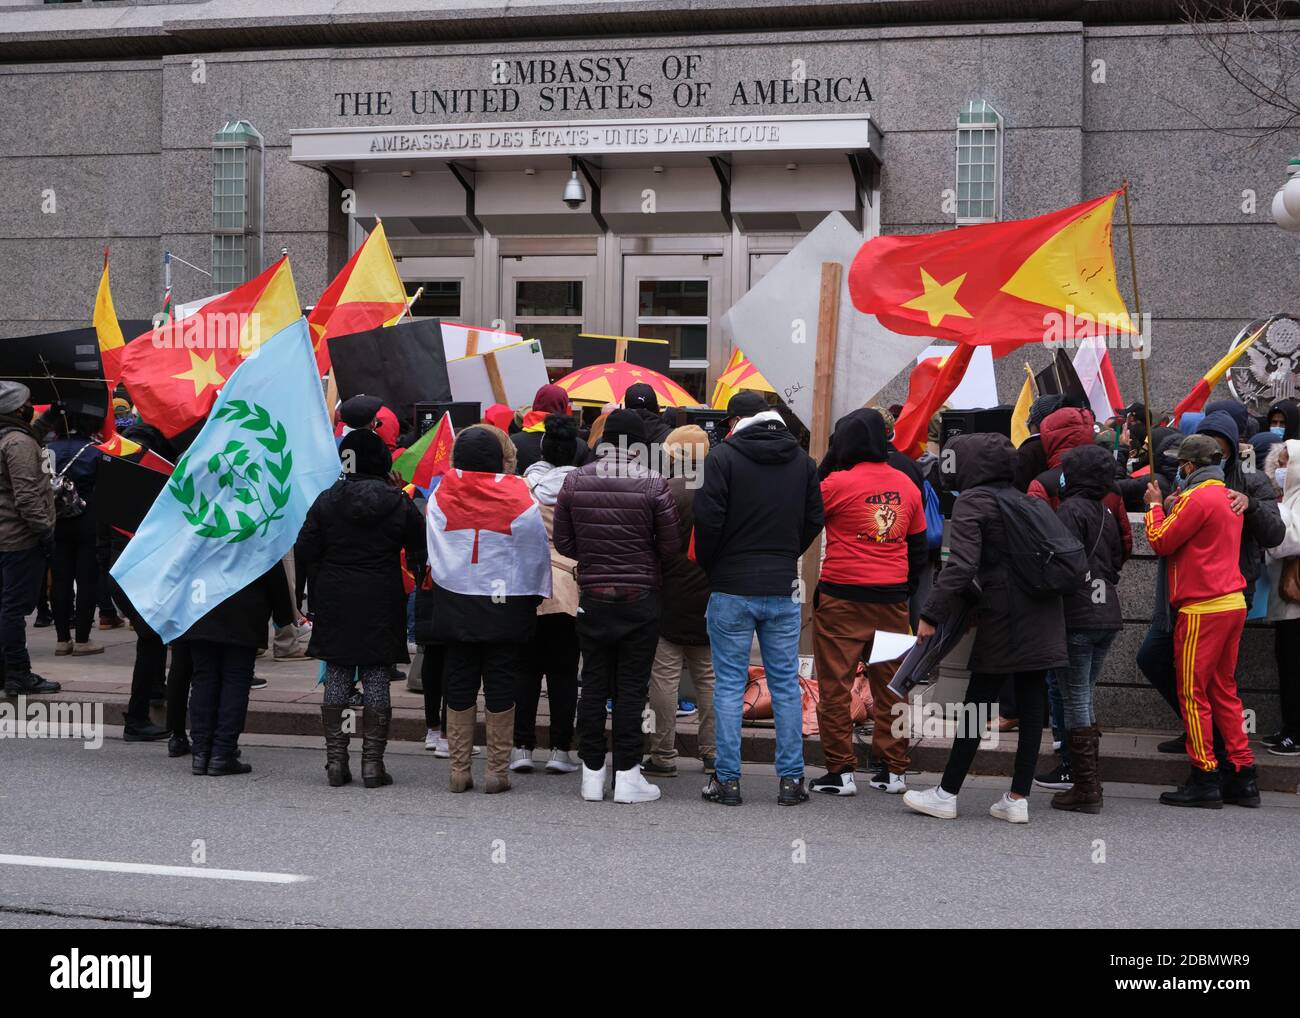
828, 320
1137, 306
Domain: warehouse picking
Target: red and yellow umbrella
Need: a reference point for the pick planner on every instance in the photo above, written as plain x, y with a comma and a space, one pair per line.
739, 374
598, 384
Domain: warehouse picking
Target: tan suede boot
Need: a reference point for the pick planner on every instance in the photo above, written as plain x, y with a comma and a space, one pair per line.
500, 738
460, 747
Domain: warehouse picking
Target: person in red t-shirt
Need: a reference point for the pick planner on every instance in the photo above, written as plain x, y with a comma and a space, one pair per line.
875, 552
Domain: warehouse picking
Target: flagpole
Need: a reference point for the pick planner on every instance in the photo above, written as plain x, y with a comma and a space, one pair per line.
1137, 306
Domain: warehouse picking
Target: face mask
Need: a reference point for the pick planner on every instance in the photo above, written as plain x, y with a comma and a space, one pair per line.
1279, 477
1279, 432
1062, 482
1181, 481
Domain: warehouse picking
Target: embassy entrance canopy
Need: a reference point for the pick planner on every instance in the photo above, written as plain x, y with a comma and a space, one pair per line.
766, 173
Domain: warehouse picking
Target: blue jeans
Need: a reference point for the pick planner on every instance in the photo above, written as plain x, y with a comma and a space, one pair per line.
733, 621
21, 575
1056, 714
1087, 649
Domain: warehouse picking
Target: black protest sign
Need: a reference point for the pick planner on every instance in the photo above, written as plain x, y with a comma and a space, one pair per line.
124, 491
401, 364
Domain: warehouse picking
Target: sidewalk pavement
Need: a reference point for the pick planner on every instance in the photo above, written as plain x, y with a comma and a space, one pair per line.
290, 705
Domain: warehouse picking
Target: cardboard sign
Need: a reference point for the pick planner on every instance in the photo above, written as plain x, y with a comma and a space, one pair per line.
776, 325
509, 374
978, 387
401, 364
469, 340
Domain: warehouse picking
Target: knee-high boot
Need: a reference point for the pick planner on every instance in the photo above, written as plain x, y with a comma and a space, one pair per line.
374, 731
1085, 796
500, 738
336, 745
460, 747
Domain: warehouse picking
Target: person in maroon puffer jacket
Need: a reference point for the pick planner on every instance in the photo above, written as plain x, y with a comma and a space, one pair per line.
1063, 430
617, 519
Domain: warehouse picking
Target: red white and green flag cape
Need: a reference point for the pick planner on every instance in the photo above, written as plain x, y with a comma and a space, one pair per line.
486, 536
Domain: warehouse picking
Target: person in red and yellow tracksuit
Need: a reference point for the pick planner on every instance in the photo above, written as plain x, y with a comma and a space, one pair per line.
1199, 541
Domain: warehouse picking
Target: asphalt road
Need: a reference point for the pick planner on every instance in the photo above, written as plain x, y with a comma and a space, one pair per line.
415, 855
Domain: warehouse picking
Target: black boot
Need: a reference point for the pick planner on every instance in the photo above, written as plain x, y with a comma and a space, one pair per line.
336, 745
178, 744
29, 684
1239, 787
143, 731
374, 732
1201, 790
199, 763
220, 766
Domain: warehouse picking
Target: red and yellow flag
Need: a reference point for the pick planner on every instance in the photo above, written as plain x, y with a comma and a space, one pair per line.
175, 371
928, 388
998, 284
107, 329
368, 293
1200, 393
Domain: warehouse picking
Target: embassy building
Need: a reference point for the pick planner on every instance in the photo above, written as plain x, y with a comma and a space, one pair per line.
697, 141
702, 137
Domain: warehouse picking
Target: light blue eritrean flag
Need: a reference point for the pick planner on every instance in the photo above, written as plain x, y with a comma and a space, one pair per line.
238, 498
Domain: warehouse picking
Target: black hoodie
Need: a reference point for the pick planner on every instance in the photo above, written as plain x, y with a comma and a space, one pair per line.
1290, 413
1016, 632
758, 510
1089, 478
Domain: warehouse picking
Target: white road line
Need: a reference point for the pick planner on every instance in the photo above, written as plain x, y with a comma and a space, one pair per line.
151, 869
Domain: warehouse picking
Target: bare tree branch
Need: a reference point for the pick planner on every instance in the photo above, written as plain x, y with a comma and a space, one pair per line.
1256, 44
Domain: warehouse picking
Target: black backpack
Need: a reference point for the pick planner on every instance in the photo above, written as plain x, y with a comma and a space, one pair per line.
1044, 559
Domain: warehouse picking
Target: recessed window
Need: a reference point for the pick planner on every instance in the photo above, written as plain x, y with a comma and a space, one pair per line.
550, 310
979, 164
439, 298
236, 205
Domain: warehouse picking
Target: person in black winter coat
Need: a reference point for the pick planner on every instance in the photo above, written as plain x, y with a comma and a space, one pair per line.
223, 645
1284, 419
759, 509
350, 550
1092, 614
616, 518
640, 398
1018, 634
75, 562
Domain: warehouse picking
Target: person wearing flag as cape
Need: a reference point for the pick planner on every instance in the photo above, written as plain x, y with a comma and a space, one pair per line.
491, 566
350, 550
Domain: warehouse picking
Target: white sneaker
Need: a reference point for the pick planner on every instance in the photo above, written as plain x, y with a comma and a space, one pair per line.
562, 762
521, 760
1013, 811
630, 786
886, 781
593, 784
412, 648
933, 802
436, 744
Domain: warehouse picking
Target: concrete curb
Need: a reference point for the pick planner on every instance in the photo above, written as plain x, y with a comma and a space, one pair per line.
1127, 755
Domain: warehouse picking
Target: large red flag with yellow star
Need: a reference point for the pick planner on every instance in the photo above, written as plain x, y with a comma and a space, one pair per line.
997, 284
174, 372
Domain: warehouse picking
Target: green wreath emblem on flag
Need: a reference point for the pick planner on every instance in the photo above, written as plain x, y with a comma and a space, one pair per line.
257, 499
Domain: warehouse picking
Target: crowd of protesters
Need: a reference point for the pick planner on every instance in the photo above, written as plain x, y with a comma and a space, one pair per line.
674, 551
